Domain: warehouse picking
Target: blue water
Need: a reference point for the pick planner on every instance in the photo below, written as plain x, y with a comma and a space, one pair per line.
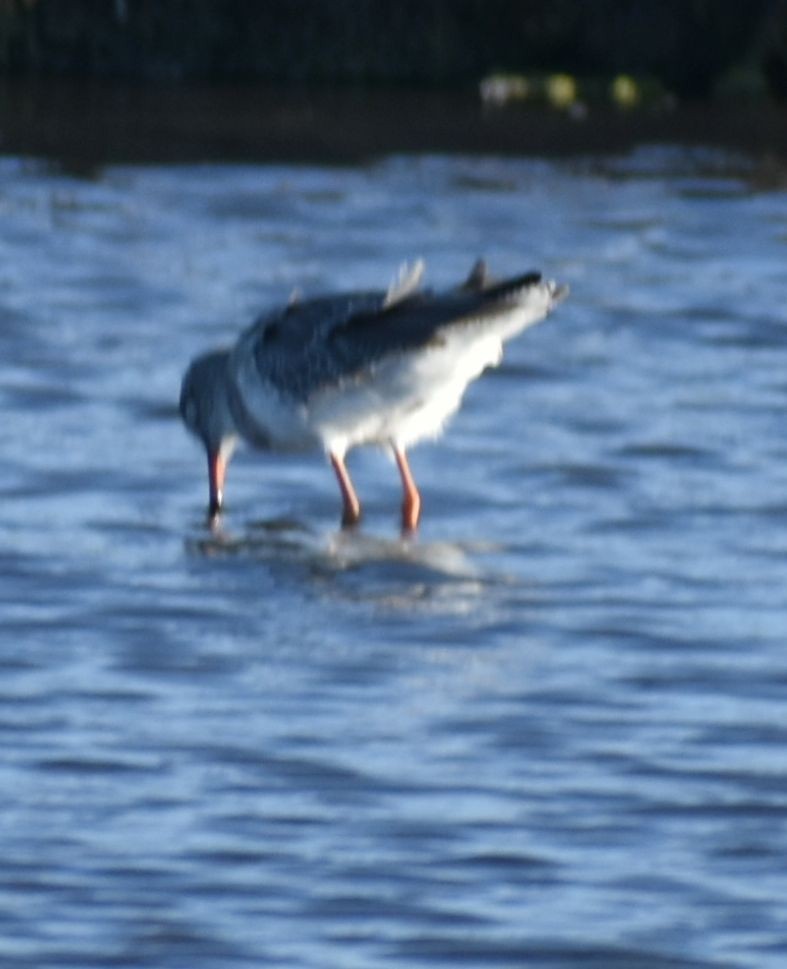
551, 731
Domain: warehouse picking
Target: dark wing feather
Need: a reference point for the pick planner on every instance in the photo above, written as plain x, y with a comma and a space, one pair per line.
418, 322
291, 346
313, 344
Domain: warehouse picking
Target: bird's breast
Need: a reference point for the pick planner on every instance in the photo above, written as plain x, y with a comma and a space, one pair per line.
265, 417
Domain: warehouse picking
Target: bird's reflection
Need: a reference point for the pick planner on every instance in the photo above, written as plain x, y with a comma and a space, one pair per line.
346, 548
399, 571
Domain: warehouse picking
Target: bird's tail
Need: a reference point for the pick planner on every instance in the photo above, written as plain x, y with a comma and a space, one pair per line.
519, 289
513, 304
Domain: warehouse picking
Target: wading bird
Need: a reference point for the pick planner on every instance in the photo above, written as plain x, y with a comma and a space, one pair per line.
386, 368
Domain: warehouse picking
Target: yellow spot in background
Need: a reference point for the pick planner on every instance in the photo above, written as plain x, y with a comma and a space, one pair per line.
624, 91
561, 90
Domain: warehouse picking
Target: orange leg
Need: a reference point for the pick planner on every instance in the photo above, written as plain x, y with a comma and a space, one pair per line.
351, 512
411, 506
217, 468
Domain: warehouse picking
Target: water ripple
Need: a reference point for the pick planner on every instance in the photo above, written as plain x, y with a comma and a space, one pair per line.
546, 732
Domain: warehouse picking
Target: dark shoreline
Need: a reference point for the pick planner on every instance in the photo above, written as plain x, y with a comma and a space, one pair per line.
687, 47
84, 123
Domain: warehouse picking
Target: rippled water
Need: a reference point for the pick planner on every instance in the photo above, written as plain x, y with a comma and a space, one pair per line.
549, 732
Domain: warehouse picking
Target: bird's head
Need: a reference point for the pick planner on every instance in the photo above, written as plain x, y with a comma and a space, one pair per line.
205, 409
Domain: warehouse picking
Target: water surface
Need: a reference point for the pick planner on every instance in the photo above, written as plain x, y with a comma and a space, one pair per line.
550, 731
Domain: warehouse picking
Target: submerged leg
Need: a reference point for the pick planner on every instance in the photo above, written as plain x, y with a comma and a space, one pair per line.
411, 506
351, 506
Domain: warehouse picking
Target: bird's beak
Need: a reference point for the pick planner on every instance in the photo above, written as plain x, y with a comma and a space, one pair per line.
217, 467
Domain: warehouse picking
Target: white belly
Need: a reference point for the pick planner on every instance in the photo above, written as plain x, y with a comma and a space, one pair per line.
404, 399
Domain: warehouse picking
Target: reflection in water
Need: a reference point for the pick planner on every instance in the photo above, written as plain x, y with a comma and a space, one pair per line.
397, 572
